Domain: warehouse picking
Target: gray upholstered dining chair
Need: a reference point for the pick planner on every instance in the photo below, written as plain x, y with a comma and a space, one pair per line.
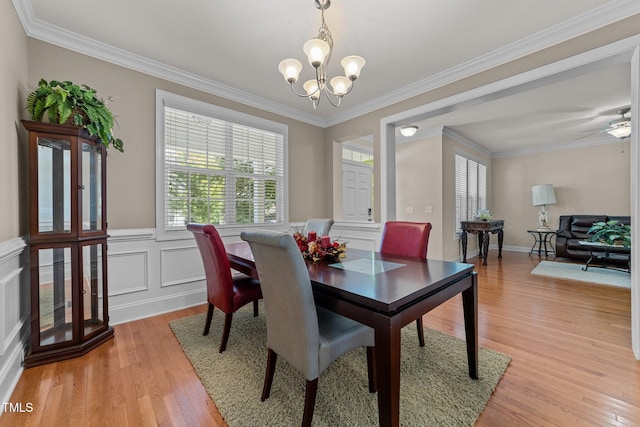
321, 226
308, 337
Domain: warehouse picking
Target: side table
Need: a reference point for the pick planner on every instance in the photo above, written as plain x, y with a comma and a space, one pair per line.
542, 238
483, 229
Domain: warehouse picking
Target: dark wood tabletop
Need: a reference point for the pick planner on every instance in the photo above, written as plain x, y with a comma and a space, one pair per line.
386, 301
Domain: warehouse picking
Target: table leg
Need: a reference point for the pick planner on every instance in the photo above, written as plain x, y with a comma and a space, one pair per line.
586, 266
485, 247
533, 248
480, 234
463, 240
470, 308
387, 351
500, 239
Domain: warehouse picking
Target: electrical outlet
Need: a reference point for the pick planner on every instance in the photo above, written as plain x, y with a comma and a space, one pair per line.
408, 209
428, 209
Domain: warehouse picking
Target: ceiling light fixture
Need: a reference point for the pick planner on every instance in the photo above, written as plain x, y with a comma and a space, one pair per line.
408, 130
620, 128
318, 52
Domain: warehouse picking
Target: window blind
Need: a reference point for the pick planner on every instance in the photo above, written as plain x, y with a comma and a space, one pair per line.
220, 172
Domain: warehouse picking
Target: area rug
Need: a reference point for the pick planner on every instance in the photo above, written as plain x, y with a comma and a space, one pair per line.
565, 270
435, 386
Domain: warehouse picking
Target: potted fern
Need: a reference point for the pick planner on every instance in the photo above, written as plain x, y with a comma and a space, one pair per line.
611, 232
71, 104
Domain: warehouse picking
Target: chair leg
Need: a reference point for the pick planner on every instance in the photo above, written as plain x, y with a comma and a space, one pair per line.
420, 331
371, 369
309, 402
272, 356
207, 322
228, 317
255, 308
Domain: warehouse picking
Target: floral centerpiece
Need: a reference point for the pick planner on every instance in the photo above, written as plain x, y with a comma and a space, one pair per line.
483, 215
320, 248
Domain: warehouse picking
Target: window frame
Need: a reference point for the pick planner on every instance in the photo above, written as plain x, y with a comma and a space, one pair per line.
172, 100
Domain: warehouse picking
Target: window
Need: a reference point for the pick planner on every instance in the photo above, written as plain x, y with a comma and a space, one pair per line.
217, 166
471, 188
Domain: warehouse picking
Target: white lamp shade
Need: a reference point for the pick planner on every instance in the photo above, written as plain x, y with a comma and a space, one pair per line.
316, 51
543, 194
352, 66
290, 69
340, 85
311, 87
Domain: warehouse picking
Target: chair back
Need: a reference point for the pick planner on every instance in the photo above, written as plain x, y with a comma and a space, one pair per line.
321, 226
405, 238
292, 320
216, 266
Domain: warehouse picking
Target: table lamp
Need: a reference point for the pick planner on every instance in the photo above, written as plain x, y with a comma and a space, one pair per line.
543, 195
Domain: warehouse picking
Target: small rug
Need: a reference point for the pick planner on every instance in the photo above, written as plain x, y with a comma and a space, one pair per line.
435, 386
601, 276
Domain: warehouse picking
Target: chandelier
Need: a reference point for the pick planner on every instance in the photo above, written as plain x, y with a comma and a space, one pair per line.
318, 51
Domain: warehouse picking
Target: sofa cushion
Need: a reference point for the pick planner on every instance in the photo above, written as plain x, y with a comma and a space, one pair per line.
621, 219
580, 224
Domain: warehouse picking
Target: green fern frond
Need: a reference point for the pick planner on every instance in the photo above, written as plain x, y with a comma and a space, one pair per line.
67, 102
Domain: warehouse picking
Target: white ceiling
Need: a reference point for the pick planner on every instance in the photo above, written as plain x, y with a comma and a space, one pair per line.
232, 49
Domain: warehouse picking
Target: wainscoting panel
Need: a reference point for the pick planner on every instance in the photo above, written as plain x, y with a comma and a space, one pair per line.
128, 272
358, 235
181, 265
149, 277
13, 313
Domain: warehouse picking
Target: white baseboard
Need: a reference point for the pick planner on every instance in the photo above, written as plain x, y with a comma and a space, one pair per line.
142, 309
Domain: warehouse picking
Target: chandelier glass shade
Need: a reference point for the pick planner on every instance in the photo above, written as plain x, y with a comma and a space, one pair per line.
318, 51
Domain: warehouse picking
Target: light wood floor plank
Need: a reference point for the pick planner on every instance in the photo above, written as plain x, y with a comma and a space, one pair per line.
570, 344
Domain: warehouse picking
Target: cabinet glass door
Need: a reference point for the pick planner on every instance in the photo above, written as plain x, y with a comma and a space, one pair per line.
93, 287
54, 185
54, 286
91, 185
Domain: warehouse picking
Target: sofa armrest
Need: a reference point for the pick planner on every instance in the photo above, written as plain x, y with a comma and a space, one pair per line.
561, 243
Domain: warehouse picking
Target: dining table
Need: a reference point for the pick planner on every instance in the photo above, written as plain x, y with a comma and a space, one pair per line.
386, 292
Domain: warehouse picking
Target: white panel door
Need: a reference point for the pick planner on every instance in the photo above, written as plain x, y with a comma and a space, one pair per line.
356, 191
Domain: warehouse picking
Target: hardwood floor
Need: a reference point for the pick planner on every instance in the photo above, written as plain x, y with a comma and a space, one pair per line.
570, 344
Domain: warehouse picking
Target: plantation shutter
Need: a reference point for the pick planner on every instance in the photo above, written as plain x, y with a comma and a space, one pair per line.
471, 188
461, 190
220, 172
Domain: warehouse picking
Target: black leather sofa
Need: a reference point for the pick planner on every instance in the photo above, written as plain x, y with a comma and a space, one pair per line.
573, 228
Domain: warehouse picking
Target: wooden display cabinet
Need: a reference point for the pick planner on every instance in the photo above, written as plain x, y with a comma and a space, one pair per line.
67, 242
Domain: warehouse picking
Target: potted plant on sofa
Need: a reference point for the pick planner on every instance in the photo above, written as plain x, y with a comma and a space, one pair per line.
71, 104
611, 233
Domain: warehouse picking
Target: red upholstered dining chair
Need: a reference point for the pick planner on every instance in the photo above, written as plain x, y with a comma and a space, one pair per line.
407, 239
224, 290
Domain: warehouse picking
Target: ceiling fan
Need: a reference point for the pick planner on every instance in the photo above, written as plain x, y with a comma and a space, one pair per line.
620, 127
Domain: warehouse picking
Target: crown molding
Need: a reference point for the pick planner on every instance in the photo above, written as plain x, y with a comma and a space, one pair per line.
602, 140
590, 21
78, 43
597, 18
448, 132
